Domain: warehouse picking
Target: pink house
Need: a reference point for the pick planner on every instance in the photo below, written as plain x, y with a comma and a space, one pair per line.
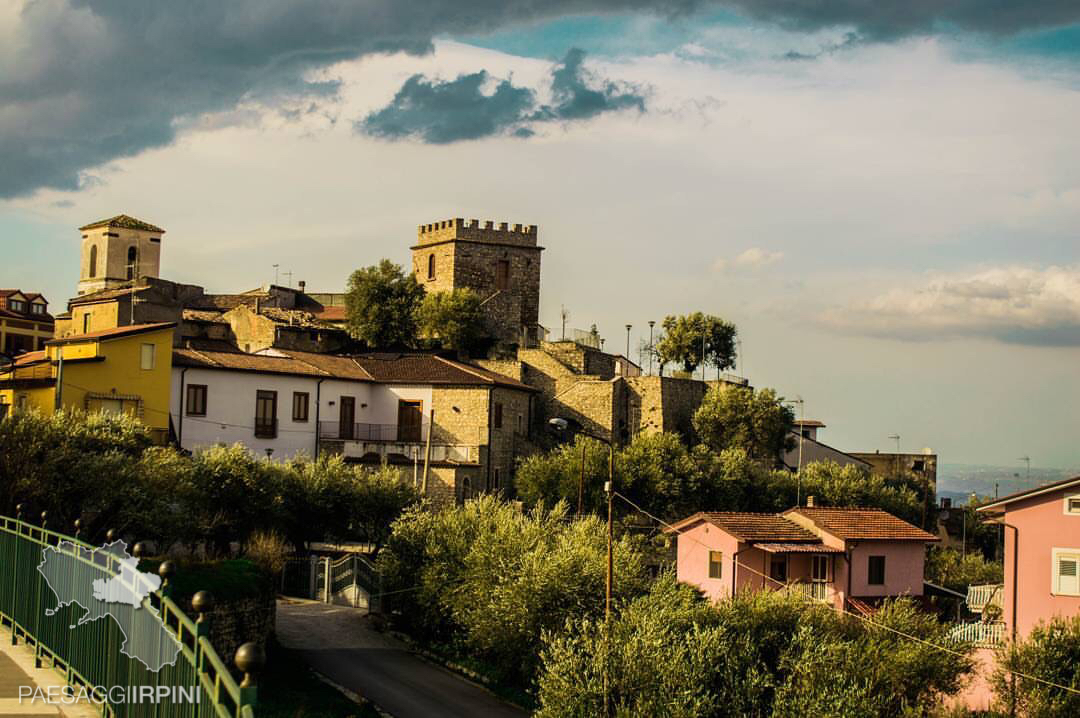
1042, 553
830, 554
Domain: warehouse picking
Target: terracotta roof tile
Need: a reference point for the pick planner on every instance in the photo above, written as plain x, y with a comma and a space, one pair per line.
114, 333
244, 362
750, 527
863, 524
430, 369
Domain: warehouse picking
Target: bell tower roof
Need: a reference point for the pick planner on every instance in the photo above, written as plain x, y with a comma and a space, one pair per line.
123, 221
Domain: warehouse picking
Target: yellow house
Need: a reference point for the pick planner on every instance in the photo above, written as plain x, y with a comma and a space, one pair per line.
122, 370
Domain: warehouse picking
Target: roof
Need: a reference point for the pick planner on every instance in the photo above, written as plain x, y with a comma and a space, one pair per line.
798, 548
105, 294
1031, 493
863, 524
810, 422
123, 221
206, 359
750, 527
405, 368
334, 313
202, 315
30, 358
115, 333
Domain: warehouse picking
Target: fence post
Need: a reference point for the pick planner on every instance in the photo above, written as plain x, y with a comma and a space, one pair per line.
166, 570
326, 580
249, 658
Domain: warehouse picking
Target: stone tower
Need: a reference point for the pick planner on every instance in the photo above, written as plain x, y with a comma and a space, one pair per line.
501, 264
117, 251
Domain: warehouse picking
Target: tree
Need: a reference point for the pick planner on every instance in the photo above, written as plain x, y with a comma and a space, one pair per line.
380, 305
950, 568
454, 318
734, 417
1052, 652
686, 338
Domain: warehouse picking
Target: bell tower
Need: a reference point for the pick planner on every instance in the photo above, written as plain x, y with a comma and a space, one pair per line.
117, 252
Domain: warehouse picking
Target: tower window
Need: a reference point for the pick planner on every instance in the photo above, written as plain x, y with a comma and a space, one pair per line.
502, 274
431, 266
132, 256
93, 261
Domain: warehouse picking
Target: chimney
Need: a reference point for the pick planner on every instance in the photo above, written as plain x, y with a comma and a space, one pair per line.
302, 284
258, 305
809, 502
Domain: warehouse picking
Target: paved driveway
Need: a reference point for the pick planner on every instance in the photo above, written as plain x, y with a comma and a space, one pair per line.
339, 643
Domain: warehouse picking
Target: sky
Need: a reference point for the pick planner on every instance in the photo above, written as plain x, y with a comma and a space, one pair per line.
884, 197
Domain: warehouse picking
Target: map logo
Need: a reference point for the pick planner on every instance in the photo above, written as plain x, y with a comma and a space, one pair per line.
73, 574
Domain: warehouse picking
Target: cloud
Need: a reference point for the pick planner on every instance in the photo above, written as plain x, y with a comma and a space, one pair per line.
1016, 305
83, 83
440, 112
749, 259
892, 19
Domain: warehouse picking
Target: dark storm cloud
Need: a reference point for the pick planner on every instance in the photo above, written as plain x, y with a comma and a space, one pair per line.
83, 82
439, 112
892, 19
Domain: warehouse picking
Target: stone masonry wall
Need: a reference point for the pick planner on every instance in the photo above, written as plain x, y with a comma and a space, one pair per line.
511, 439
235, 622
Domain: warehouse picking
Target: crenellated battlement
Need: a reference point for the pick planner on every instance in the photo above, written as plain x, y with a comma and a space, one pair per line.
519, 235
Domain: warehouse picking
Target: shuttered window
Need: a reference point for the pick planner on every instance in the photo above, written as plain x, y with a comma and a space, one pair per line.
1066, 572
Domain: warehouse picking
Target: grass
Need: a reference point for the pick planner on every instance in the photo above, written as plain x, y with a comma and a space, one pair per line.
290, 689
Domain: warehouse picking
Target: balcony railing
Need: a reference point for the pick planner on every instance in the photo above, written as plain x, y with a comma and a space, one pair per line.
981, 634
373, 432
978, 597
265, 428
817, 590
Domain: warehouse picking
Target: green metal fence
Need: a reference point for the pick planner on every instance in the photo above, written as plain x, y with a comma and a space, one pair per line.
89, 655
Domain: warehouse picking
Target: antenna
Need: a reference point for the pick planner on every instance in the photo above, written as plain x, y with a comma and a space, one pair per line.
1027, 460
276, 273
288, 282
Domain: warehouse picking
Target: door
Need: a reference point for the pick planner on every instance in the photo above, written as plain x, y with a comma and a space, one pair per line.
266, 414
347, 418
410, 420
819, 568
502, 275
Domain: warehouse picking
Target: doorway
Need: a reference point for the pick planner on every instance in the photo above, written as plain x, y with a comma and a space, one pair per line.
347, 418
410, 420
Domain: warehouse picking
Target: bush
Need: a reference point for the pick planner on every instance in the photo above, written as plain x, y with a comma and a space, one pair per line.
268, 551
490, 580
671, 653
1052, 652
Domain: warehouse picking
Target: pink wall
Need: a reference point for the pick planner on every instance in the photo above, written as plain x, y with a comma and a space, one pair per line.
903, 568
1043, 526
694, 545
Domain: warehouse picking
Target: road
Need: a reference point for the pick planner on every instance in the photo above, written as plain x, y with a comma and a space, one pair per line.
339, 643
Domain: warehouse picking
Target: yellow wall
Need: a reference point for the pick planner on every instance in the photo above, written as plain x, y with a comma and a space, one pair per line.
120, 376
103, 315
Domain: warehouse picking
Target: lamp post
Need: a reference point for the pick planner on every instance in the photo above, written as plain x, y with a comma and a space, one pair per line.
652, 323
561, 426
628, 328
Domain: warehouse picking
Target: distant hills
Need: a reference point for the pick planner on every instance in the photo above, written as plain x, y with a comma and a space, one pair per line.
959, 481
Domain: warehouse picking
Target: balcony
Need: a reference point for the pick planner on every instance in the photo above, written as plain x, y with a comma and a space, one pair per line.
359, 440
265, 428
816, 590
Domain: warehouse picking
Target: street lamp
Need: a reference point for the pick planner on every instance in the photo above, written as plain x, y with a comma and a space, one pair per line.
561, 426
651, 325
628, 328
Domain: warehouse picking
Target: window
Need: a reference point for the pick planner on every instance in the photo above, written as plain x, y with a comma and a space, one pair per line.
265, 414
86, 324
93, 262
196, 400
146, 359
875, 571
716, 564
819, 568
918, 465
1066, 572
502, 274
132, 259
37, 308
496, 480
778, 569
17, 306
1072, 505
497, 421
431, 266
300, 406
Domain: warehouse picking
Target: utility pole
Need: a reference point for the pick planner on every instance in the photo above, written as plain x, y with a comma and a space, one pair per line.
896, 437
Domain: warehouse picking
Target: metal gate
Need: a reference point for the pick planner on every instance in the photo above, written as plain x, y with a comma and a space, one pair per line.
348, 581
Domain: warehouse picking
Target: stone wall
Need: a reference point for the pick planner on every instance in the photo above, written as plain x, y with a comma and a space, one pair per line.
582, 359
237, 621
510, 440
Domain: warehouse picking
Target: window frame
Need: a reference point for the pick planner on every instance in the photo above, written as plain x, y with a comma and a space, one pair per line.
1056, 555
497, 415
262, 429
870, 570
301, 416
716, 560
782, 561
1065, 505
201, 390
142, 357
502, 279
431, 266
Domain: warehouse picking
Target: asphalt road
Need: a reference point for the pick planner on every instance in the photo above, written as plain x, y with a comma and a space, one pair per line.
339, 643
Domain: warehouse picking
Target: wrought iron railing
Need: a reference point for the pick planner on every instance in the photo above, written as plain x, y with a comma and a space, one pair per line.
372, 432
89, 655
